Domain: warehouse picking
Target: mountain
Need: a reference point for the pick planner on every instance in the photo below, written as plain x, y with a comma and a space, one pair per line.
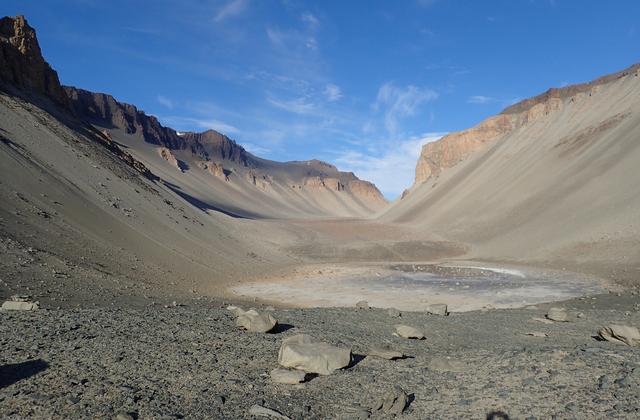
550, 180
213, 168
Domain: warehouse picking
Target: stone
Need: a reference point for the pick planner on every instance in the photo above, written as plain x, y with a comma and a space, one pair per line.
11, 305
385, 353
260, 411
393, 312
303, 352
236, 310
287, 376
437, 309
537, 334
363, 304
623, 334
406, 331
123, 416
253, 321
558, 315
393, 402
543, 320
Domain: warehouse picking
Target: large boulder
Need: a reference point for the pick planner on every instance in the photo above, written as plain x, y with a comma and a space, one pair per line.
621, 334
405, 331
254, 321
20, 303
304, 353
558, 315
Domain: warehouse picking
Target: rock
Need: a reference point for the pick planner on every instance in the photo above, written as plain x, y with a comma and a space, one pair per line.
620, 334
123, 416
558, 315
11, 305
437, 309
260, 411
236, 310
287, 376
543, 320
363, 304
406, 331
393, 312
304, 353
442, 364
253, 321
537, 334
394, 402
385, 353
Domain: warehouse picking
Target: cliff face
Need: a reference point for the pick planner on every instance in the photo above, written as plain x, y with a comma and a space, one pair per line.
456, 147
21, 61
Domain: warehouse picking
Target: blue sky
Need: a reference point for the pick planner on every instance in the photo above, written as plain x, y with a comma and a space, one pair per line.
361, 84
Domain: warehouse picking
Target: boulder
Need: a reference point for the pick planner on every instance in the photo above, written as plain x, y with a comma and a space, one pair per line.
384, 353
253, 321
287, 376
393, 402
558, 315
621, 334
236, 310
406, 331
363, 304
20, 303
304, 353
437, 309
536, 334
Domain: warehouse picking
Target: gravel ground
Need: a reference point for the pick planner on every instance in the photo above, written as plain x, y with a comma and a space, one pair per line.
192, 362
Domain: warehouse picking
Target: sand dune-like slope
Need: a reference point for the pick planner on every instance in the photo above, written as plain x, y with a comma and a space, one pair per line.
553, 179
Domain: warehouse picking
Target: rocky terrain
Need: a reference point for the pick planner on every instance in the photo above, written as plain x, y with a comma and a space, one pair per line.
191, 361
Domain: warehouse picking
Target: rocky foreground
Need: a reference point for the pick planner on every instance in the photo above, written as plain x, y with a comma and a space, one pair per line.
192, 361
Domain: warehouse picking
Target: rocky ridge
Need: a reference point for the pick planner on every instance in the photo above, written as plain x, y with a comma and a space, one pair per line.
456, 147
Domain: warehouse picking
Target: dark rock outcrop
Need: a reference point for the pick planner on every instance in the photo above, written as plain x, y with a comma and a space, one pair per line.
21, 61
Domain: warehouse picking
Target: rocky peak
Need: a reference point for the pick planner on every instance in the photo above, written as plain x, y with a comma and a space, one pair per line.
21, 61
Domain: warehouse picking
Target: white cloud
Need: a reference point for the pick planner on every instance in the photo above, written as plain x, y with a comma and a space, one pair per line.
230, 9
164, 101
397, 102
296, 106
256, 149
391, 171
333, 92
188, 123
480, 99
310, 20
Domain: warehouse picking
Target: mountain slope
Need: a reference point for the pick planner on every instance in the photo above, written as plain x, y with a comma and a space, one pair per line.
217, 171
552, 179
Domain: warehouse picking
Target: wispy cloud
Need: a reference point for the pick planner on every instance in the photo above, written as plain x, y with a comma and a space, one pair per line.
230, 9
333, 92
256, 149
393, 170
312, 21
164, 101
189, 123
483, 100
297, 105
399, 102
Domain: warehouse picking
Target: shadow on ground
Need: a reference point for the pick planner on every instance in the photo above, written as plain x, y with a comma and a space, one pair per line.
12, 373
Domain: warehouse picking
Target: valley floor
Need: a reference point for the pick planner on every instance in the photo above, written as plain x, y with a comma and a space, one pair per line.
190, 361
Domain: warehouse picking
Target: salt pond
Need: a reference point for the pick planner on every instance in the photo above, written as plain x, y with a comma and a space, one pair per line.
414, 287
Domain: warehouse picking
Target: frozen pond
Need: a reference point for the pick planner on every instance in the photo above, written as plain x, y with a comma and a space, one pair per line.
414, 287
